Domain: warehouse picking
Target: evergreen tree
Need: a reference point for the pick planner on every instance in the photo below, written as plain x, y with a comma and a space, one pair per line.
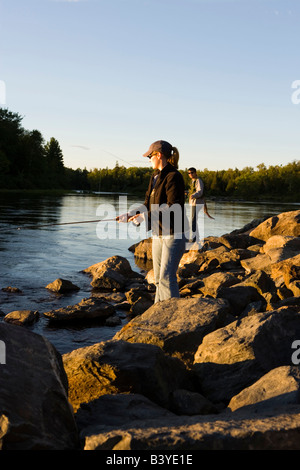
55, 163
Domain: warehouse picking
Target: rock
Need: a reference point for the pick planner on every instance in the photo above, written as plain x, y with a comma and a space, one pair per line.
253, 308
88, 309
280, 386
177, 325
116, 410
140, 299
190, 287
35, 412
114, 320
220, 258
13, 290
197, 257
282, 242
117, 263
22, 317
286, 271
112, 297
239, 296
286, 224
140, 306
233, 240
185, 402
291, 302
264, 285
109, 279
257, 248
246, 229
113, 273
62, 286
135, 294
276, 249
150, 277
280, 253
294, 286
231, 431
142, 249
262, 282
120, 367
235, 356
210, 243
124, 306
260, 262
213, 283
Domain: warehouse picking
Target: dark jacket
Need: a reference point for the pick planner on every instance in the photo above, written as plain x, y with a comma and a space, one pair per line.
169, 190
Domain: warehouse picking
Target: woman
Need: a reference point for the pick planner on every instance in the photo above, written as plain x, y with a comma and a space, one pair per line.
165, 216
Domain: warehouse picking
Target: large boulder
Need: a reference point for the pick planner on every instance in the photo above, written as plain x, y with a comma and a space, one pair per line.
239, 296
35, 411
279, 387
230, 431
221, 258
276, 249
116, 410
87, 309
264, 285
177, 325
216, 281
236, 240
286, 224
120, 367
261, 262
112, 273
235, 356
279, 247
286, 242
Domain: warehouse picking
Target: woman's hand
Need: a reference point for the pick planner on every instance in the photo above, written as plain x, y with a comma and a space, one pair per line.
136, 219
125, 218
122, 218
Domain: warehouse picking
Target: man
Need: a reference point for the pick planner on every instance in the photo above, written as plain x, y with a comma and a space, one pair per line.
196, 200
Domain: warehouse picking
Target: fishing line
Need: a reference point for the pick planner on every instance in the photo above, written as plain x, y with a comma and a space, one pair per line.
116, 156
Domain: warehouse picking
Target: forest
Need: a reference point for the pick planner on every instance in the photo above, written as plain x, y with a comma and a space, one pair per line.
27, 162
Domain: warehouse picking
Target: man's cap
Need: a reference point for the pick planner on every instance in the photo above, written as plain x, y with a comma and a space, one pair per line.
160, 146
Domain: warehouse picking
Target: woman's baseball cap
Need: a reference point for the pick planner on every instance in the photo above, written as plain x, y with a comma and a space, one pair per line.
160, 146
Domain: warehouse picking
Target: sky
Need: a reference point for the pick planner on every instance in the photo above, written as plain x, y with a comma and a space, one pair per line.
106, 78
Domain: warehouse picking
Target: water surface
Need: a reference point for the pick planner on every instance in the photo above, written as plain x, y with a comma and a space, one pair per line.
33, 256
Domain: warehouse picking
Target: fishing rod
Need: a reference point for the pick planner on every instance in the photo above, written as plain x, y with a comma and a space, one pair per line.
116, 219
65, 223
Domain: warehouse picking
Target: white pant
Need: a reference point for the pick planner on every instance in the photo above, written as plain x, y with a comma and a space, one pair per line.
166, 255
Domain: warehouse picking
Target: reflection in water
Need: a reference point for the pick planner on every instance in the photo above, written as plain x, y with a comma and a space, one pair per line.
32, 258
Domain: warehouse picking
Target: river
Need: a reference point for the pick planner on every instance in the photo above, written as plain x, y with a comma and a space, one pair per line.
34, 251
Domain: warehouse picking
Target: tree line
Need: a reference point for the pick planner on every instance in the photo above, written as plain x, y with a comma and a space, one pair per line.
28, 162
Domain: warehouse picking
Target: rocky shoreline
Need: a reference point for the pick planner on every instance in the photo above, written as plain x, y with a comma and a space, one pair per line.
216, 369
